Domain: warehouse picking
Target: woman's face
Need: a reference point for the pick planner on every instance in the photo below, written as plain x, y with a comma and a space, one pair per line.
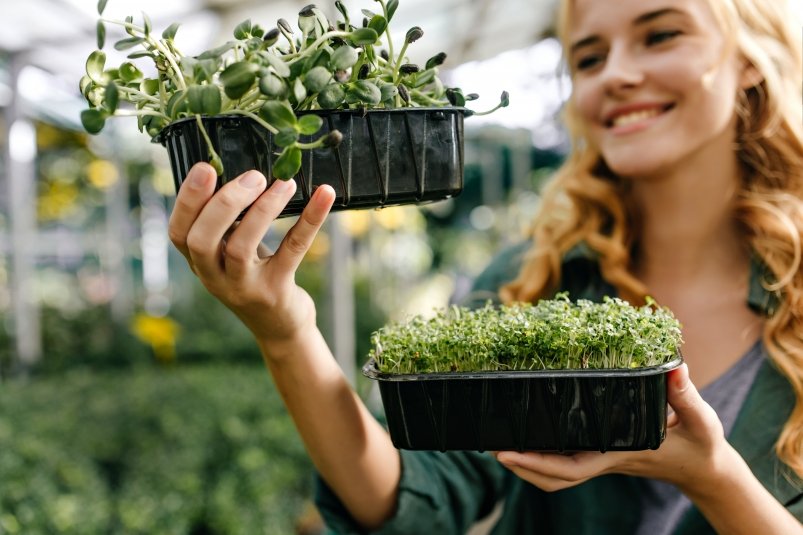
652, 82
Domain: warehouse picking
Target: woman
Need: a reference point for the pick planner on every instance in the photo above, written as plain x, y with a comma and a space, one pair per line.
686, 184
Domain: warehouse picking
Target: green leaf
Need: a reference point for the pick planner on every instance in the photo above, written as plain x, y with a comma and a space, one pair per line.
272, 86
112, 97
101, 33
94, 65
279, 66
146, 23
217, 52
365, 92
278, 114
243, 30
101, 6
367, 13
331, 96
141, 54
128, 72
93, 120
85, 84
288, 163
378, 23
286, 137
364, 36
343, 58
176, 104
299, 91
204, 99
392, 5
309, 124
388, 92
149, 86
170, 31
316, 79
129, 42
306, 23
205, 70
238, 78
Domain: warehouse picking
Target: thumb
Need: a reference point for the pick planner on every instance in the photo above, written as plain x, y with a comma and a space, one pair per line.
690, 408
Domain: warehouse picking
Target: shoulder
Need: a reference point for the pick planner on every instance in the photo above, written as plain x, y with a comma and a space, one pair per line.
503, 268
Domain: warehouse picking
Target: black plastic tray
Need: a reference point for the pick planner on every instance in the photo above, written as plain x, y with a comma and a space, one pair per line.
543, 410
387, 157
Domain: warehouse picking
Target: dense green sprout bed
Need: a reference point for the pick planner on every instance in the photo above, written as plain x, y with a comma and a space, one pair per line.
552, 334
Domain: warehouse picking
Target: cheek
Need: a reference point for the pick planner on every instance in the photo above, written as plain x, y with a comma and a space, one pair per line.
587, 103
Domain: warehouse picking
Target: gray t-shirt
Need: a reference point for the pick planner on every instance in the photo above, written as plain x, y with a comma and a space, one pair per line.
663, 505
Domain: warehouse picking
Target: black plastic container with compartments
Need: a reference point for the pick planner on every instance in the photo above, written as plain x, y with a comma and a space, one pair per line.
387, 156
542, 410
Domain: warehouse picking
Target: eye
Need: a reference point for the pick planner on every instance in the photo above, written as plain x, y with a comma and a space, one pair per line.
587, 62
657, 37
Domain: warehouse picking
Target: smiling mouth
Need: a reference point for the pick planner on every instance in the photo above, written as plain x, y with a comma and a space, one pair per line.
636, 116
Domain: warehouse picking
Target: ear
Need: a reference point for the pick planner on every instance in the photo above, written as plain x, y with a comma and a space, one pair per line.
750, 76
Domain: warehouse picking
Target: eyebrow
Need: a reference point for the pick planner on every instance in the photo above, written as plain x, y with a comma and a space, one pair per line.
641, 19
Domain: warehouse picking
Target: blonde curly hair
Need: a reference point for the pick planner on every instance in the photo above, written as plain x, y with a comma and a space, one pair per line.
586, 202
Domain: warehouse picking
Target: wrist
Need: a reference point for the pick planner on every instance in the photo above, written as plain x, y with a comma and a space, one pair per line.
289, 348
723, 471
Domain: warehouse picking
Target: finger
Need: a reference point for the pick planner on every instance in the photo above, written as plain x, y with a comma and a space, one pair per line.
196, 189
689, 408
546, 483
242, 247
205, 238
576, 467
298, 239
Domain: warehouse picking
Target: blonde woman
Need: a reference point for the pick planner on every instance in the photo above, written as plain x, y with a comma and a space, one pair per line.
685, 183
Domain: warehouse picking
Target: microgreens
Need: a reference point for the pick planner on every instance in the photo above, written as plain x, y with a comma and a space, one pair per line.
552, 334
267, 75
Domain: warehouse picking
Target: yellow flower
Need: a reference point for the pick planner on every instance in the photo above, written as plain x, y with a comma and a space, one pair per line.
160, 332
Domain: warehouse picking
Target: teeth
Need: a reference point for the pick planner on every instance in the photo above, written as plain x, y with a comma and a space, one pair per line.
635, 116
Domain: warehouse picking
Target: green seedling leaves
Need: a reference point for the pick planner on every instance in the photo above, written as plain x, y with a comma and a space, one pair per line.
378, 23
316, 79
112, 97
128, 42
177, 104
309, 124
363, 92
280, 67
343, 58
299, 91
414, 34
331, 96
288, 163
94, 65
170, 31
286, 137
93, 120
278, 114
238, 78
388, 92
204, 99
272, 86
391, 7
435, 60
364, 36
129, 73
85, 84
101, 6
243, 30
101, 34
146, 23
216, 53
306, 21
149, 86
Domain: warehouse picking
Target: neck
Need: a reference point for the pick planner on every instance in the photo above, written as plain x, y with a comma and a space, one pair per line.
688, 226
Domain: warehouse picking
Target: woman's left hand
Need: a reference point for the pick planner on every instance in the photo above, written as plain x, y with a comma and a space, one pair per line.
694, 446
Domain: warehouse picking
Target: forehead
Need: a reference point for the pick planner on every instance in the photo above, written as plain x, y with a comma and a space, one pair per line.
588, 17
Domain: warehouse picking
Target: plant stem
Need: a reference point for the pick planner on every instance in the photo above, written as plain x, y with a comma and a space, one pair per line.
139, 113
216, 162
387, 28
253, 116
295, 56
144, 96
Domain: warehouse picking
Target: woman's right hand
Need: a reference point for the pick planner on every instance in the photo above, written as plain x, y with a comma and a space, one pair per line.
233, 264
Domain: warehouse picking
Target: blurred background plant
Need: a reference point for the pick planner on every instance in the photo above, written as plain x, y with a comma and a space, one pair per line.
131, 401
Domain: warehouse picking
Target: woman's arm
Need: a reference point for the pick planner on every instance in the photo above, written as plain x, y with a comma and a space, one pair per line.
695, 457
349, 448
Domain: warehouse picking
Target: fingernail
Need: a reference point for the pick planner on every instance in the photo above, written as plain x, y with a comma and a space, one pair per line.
199, 177
252, 179
281, 186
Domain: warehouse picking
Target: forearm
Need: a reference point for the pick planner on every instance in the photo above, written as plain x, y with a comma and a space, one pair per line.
735, 502
352, 452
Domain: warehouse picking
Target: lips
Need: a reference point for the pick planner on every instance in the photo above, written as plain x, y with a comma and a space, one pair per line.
634, 113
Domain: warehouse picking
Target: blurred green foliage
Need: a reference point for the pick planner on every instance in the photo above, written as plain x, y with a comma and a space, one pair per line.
192, 450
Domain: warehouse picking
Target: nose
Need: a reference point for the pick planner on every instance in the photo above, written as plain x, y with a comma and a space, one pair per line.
621, 70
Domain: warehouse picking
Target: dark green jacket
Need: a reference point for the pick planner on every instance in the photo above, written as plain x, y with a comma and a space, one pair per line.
444, 493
